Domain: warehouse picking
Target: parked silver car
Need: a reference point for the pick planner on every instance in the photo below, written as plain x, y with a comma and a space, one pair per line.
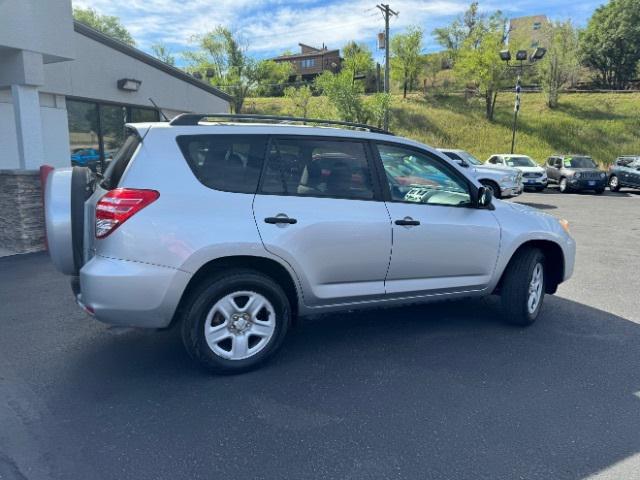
504, 182
228, 230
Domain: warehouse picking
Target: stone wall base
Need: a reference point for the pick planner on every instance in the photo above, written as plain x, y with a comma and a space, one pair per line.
21, 212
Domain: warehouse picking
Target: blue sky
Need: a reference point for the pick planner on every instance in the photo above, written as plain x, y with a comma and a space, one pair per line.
270, 27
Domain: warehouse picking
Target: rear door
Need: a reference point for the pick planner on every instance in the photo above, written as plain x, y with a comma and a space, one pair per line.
441, 243
319, 209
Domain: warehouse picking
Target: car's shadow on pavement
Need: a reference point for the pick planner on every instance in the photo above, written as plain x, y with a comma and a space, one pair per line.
445, 390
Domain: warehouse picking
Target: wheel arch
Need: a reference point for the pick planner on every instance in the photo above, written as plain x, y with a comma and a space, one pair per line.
267, 266
554, 263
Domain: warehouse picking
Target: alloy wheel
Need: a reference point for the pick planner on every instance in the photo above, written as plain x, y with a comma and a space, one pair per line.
535, 288
240, 325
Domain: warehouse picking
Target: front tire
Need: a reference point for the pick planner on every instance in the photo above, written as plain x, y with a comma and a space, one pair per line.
564, 185
614, 183
495, 188
235, 321
523, 287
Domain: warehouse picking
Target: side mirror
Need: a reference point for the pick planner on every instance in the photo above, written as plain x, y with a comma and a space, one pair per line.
485, 197
462, 163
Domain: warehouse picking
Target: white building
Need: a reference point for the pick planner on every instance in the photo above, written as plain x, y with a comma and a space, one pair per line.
66, 89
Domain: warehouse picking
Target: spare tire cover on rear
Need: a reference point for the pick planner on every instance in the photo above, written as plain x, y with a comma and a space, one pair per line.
66, 192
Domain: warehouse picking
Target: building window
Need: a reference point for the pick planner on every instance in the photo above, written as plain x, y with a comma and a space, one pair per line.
84, 139
96, 130
308, 63
537, 25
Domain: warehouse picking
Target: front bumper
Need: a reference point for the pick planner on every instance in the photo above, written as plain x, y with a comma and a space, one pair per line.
128, 293
585, 184
534, 182
511, 190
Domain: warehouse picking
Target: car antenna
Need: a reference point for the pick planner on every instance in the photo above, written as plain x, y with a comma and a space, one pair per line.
166, 119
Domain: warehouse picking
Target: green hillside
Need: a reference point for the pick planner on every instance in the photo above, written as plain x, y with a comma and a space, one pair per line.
603, 125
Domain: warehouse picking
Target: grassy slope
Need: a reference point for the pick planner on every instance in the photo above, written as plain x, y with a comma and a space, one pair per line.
600, 124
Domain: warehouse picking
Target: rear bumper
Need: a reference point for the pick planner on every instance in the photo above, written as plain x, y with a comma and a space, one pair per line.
127, 293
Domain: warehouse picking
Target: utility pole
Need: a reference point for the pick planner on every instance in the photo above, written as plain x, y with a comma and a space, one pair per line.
516, 109
386, 12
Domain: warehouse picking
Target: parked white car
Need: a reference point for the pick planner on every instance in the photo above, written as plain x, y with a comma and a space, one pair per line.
533, 175
504, 182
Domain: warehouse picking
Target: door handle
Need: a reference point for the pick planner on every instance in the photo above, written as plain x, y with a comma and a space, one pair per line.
407, 222
276, 220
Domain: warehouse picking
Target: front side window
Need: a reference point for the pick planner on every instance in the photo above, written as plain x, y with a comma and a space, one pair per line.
418, 178
318, 168
231, 163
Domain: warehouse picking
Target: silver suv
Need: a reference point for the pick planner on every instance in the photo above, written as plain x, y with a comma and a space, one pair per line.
503, 181
229, 228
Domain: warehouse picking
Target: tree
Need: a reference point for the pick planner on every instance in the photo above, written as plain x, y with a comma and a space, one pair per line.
344, 95
479, 62
107, 24
453, 36
561, 64
162, 52
271, 77
611, 43
300, 99
406, 58
224, 62
357, 59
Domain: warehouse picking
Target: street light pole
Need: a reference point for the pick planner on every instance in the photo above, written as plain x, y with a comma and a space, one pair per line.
516, 109
521, 56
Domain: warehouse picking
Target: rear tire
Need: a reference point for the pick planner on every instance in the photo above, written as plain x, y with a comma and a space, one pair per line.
495, 188
523, 287
224, 327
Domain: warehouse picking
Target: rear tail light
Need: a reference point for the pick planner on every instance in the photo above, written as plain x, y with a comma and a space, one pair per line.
118, 205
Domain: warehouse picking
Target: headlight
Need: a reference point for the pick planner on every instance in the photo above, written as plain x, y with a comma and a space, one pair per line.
508, 179
564, 224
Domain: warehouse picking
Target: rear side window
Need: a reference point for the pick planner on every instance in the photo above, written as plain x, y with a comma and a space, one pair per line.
121, 159
318, 168
231, 163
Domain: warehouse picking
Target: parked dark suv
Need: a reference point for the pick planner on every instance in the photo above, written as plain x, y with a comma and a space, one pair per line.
575, 172
625, 172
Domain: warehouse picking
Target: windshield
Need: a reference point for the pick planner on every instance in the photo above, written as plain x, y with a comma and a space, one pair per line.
470, 158
579, 162
520, 162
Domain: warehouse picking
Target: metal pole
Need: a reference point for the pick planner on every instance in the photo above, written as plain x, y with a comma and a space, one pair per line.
386, 11
516, 109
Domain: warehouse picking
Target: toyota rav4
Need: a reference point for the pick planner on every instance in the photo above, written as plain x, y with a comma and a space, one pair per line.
230, 226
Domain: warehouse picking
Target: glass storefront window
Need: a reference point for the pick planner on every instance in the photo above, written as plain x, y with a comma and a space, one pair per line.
96, 130
83, 133
112, 120
143, 115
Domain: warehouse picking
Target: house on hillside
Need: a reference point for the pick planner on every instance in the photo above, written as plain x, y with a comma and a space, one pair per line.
311, 61
528, 32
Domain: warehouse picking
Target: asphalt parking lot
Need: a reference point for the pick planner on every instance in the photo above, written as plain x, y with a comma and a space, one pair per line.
441, 391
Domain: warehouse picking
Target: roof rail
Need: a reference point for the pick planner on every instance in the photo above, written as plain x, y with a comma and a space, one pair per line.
195, 118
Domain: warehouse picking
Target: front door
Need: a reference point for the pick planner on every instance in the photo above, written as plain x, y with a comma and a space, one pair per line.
441, 243
318, 210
